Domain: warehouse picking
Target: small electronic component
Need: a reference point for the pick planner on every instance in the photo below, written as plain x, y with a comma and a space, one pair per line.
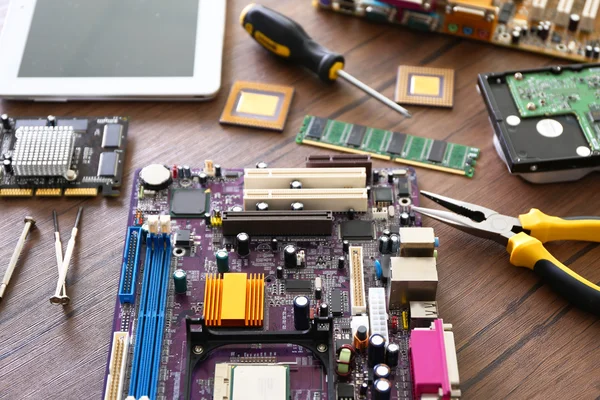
345, 391
155, 177
51, 157
298, 285
422, 313
413, 279
357, 230
234, 299
335, 302
433, 361
358, 298
388, 145
180, 281
301, 313
189, 203
376, 350
258, 105
403, 187
382, 196
183, 238
417, 242
425, 86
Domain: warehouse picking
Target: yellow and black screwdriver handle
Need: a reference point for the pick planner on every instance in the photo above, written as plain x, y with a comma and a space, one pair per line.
287, 39
527, 250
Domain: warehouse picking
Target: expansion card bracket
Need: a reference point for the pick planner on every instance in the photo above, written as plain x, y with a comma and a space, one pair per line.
201, 341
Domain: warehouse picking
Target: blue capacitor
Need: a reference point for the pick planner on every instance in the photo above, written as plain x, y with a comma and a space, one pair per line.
378, 270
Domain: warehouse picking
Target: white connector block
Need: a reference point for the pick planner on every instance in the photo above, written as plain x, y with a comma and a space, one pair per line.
563, 11
588, 16
413, 279
537, 11
117, 366
311, 178
422, 313
358, 300
337, 200
379, 213
378, 316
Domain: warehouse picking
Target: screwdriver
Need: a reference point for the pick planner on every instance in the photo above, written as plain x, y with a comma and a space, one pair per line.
287, 39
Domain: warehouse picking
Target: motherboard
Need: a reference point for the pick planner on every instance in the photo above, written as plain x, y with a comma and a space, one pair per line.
308, 283
56, 156
558, 28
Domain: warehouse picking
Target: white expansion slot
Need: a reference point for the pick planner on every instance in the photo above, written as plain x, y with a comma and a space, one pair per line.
563, 11
117, 366
338, 200
588, 16
310, 178
537, 11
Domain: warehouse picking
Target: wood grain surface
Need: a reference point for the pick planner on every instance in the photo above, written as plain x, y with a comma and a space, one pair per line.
515, 338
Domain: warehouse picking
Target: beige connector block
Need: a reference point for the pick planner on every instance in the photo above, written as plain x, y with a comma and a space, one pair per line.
417, 242
337, 200
311, 178
413, 279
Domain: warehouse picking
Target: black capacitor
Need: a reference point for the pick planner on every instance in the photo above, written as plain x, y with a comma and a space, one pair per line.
386, 232
589, 51
301, 313
262, 206
341, 262
573, 22
187, 172
351, 213
218, 171
203, 178
395, 243
237, 209
323, 310
596, 52
207, 218
51, 120
376, 349
376, 176
318, 293
262, 165
274, 244
7, 165
412, 217
180, 171
5, 121
390, 177
392, 355
364, 388
346, 246
384, 244
297, 206
289, 256
404, 219
515, 37
544, 33
382, 389
279, 272
361, 333
368, 191
296, 184
382, 371
242, 244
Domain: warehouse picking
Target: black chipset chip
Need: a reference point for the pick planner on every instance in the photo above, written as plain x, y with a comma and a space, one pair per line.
356, 230
383, 195
190, 203
438, 149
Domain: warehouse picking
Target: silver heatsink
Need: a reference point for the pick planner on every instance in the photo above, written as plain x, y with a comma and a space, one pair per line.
43, 150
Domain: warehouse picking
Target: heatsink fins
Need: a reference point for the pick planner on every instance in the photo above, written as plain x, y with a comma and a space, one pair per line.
43, 151
117, 366
234, 299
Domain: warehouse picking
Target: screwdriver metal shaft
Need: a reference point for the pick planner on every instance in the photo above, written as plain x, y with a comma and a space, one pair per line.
373, 93
58, 250
29, 223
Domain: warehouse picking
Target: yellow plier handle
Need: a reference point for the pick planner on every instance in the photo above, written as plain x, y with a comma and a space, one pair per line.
528, 251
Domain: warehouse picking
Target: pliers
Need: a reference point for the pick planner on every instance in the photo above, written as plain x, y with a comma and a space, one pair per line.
523, 238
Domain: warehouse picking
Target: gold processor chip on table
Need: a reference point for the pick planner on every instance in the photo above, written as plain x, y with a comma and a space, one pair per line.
258, 105
425, 86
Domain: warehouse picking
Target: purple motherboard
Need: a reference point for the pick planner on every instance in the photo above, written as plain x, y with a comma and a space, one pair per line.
175, 331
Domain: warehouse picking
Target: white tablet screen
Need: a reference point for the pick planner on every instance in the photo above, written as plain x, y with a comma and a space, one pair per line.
111, 38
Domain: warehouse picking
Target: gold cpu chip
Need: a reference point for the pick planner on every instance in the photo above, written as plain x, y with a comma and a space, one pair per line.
425, 86
258, 105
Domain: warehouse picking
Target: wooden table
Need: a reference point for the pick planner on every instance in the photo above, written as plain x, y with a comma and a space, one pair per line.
515, 338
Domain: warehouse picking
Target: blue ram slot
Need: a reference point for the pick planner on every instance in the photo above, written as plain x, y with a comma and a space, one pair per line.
151, 318
131, 260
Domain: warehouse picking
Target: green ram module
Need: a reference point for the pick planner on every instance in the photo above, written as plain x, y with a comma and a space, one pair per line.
548, 93
388, 145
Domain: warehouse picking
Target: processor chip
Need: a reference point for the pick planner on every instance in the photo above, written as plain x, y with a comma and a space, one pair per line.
258, 105
190, 203
425, 86
265, 382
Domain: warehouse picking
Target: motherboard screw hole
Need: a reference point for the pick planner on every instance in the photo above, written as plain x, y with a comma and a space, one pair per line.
322, 348
198, 350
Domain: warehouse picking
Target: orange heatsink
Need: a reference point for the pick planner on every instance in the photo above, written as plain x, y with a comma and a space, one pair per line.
234, 299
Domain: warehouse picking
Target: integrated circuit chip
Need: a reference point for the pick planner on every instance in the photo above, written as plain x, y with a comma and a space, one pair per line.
108, 164
258, 105
425, 86
356, 135
190, 203
345, 391
298, 285
335, 302
383, 195
112, 135
316, 128
437, 151
265, 382
403, 187
397, 143
356, 230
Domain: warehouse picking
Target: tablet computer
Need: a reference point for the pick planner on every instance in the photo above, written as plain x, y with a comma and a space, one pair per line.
59, 50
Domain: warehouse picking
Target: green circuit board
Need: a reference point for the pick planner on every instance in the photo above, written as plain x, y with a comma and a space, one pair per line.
561, 92
388, 145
